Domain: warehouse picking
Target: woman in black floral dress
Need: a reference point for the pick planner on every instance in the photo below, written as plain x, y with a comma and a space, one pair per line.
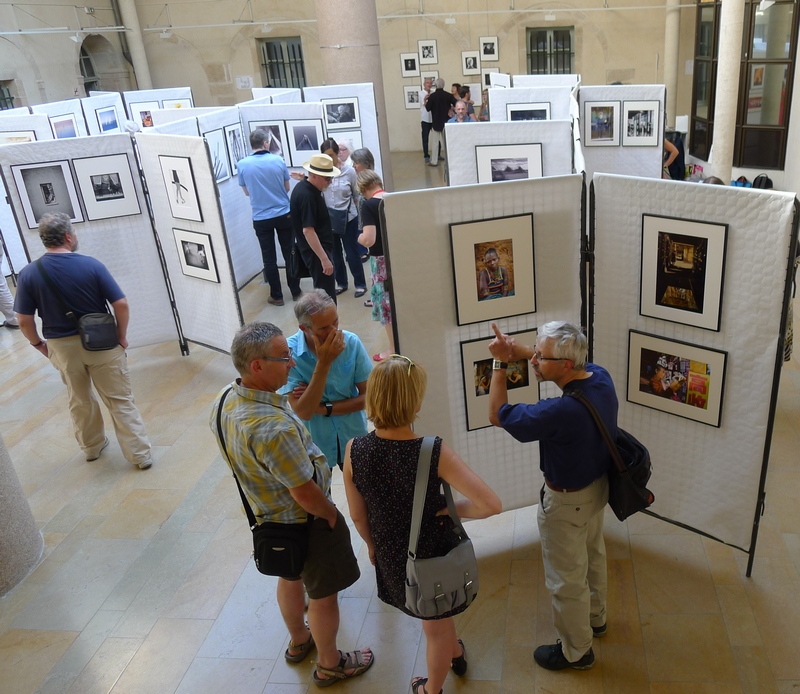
380, 471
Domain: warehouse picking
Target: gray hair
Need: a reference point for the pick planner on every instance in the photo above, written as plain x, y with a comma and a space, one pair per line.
440, 83
364, 157
568, 342
347, 142
310, 304
53, 229
252, 342
258, 137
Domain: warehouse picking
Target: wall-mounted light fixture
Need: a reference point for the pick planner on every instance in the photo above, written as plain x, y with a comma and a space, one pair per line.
165, 34
78, 37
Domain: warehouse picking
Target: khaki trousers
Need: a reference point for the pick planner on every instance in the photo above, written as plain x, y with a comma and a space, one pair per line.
574, 556
108, 372
436, 139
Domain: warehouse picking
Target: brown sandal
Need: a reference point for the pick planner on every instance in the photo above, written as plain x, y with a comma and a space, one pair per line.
305, 649
349, 661
418, 686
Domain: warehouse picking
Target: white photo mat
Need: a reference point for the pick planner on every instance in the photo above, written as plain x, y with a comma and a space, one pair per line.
530, 111
196, 254
508, 162
106, 184
305, 138
601, 123
47, 187
278, 143
641, 125
341, 113
181, 189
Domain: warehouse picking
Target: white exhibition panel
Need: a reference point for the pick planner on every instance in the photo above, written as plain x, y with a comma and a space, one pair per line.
169, 115
182, 126
425, 312
500, 79
18, 111
156, 95
703, 476
243, 244
64, 108
10, 235
627, 161
461, 139
557, 97
286, 96
125, 245
39, 123
102, 102
366, 106
546, 80
210, 312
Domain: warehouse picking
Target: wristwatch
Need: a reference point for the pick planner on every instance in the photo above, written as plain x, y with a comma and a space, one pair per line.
497, 365
328, 409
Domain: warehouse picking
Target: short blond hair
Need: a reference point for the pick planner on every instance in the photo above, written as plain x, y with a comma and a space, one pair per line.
395, 390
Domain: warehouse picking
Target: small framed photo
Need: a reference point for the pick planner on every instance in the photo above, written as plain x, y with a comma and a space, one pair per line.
64, 126
353, 135
237, 148
409, 64
676, 377
433, 75
601, 123
13, 137
428, 54
475, 92
305, 137
177, 103
219, 154
683, 268
476, 365
411, 98
342, 113
493, 268
277, 136
485, 79
489, 50
142, 112
196, 254
470, 62
181, 189
641, 124
107, 120
46, 187
533, 111
508, 162
106, 185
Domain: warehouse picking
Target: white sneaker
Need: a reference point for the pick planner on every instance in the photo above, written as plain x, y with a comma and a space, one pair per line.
145, 464
90, 458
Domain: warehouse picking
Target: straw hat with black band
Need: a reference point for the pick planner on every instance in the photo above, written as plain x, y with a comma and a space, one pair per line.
322, 165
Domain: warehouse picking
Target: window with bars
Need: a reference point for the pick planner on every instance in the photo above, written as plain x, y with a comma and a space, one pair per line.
282, 62
551, 51
6, 99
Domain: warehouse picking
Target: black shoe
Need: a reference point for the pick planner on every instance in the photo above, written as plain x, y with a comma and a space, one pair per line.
340, 290
10, 326
459, 665
295, 297
600, 632
552, 658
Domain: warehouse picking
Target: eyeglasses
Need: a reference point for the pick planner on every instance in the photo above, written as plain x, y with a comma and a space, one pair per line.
285, 360
400, 356
540, 357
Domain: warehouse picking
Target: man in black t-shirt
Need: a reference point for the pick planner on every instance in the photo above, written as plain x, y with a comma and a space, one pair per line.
439, 104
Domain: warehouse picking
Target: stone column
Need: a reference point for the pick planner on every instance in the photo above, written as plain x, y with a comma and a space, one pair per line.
130, 20
672, 35
351, 53
21, 543
727, 94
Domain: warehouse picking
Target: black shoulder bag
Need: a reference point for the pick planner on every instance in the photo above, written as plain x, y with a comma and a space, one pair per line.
279, 549
627, 480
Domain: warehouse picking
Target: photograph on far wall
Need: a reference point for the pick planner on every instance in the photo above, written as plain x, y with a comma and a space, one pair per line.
409, 64
476, 366
341, 113
682, 271
13, 137
353, 135
601, 123
428, 55
676, 377
219, 155
46, 187
432, 74
532, 111
64, 126
107, 120
508, 162
411, 98
106, 184
196, 254
485, 72
305, 137
177, 103
142, 113
489, 50
237, 148
470, 62
277, 136
640, 125
493, 268
181, 189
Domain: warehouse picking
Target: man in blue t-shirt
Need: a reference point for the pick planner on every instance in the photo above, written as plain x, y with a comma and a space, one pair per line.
264, 178
574, 459
85, 286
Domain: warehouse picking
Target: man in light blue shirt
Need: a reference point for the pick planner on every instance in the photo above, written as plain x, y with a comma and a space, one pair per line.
264, 178
327, 387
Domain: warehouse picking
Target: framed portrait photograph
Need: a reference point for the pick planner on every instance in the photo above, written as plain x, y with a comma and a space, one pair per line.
683, 268
181, 189
493, 268
64, 126
470, 62
277, 136
13, 137
428, 55
107, 120
756, 75
342, 113
485, 72
177, 103
533, 111
508, 162
676, 377
196, 255
411, 98
489, 50
476, 366
409, 64
106, 185
640, 127
238, 149
601, 123
46, 187
354, 136
305, 137
433, 75
219, 154
142, 112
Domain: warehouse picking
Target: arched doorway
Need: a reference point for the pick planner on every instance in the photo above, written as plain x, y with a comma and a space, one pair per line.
103, 66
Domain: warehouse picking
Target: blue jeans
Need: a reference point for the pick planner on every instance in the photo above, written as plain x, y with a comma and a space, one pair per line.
265, 232
351, 253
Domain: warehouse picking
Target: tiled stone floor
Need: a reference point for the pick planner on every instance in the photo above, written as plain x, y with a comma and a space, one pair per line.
146, 584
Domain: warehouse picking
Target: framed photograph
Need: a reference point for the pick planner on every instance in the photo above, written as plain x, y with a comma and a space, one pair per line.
64, 126
533, 111
476, 365
107, 120
46, 187
177, 103
683, 268
277, 139
196, 255
756, 75
411, 98
432, 74
470, 62
219, 155
13, 137
485, 72
106, 185
676, 377
428, 54
489, 50
475, 93
353, 135
493, 268
601, 123
238, 149
641, 124
409, 64
305, 137
181, 190
341, 114
508, 162
142, 112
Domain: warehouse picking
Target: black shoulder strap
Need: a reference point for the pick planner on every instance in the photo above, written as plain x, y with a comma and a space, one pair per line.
59, 297
612, 447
